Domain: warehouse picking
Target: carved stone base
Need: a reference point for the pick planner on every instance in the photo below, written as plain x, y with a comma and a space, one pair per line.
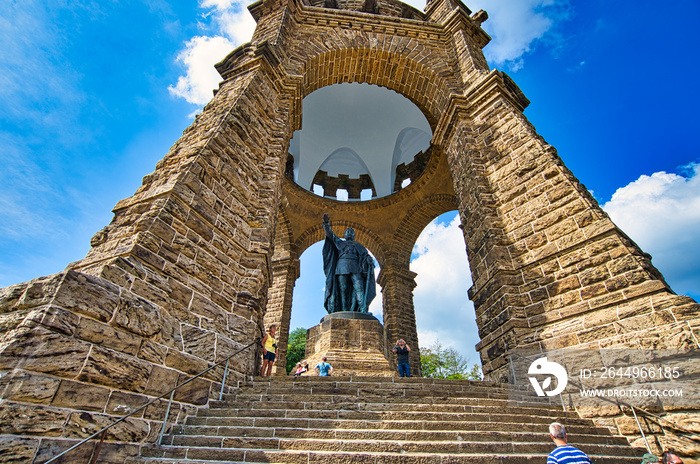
352, 342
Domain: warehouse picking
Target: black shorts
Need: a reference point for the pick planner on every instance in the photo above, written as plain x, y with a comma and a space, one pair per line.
270, 356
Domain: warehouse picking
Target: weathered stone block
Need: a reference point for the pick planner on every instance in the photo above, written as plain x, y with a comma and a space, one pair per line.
83, 424
107, 336
19, 419
11, 320
121, 403
185, 362
38, 292
17, 450
40, 350
152, 352
110, 368
592, 276
138, 315
206, 308
55, 318
88, 295
563, 286
194, 392
27, 387
198, 342
76, 395
9, 296
161, 381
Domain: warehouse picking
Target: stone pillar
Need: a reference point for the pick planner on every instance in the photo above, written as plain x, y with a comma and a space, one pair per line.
285, 272
176, 282
550, 269
399, 314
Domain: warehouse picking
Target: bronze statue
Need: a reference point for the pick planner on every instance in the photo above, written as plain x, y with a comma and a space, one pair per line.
349, 272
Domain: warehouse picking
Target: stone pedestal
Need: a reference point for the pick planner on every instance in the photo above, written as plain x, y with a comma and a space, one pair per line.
352, 342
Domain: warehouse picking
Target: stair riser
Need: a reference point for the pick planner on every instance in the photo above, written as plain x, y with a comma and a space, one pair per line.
305, 457
389, 415
384, 425
403, 435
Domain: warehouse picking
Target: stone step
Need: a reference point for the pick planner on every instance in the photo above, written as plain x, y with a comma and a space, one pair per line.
375, 383
585, 428
169, 455
335, 403
199, 432
376, 394
378, 382
341, 402
542, 446
382, 391
342, 414
369, 396
375, 420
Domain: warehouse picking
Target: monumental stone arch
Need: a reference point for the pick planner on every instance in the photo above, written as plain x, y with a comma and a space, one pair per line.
204, 255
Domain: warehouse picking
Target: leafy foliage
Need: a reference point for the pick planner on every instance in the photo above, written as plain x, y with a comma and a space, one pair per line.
296, 349
441, 362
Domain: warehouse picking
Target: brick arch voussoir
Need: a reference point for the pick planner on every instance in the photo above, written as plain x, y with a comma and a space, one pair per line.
365, 236
414, 80
413, 224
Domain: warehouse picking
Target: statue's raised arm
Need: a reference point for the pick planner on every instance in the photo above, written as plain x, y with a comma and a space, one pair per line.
328, 231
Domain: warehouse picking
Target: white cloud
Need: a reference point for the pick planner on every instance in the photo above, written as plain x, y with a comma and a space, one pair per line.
234, 25
198, 57
237, 25
516, 26
661, 213
443, 310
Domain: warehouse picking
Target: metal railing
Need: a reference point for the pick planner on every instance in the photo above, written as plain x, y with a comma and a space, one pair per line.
171, 392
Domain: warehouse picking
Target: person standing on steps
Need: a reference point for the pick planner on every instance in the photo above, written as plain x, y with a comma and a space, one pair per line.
564, 453
323, 368
269, 346
669, 457
401, 349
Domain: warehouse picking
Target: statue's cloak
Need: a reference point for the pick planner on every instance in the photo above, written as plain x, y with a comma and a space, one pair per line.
332, 300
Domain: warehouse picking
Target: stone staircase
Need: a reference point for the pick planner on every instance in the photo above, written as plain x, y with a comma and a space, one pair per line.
379, 421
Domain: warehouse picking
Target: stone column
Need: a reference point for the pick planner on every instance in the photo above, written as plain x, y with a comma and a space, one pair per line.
399, 314
285, 272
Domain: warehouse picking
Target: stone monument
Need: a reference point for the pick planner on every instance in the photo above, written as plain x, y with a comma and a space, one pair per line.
349, 336
205, 254
349, 271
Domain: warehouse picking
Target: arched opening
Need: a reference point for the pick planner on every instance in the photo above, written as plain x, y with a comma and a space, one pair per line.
353, 139
443, 310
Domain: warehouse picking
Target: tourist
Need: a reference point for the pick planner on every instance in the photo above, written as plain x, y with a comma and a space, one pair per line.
669, 457
564, 453
401, 349
323, 368
269, 345
301, 368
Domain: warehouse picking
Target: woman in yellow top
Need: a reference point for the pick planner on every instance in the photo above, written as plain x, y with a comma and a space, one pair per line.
269, 344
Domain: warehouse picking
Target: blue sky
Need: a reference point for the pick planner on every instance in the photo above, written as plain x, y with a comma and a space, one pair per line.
94, 93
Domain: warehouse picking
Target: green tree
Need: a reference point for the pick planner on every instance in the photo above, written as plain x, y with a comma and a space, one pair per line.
296, 348
441, 362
